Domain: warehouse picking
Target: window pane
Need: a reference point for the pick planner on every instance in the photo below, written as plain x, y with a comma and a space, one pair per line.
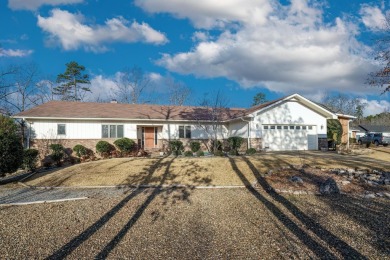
188, 131
291, 127
181, 131
279, 127
298, 127
310, 127
61, 129
265, 127
304, 127
272, 127
119, 131
104, 131
112, 131
285, 127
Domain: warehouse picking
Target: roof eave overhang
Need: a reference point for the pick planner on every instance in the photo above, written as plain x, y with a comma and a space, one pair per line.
27, 118
345, 116
326, 113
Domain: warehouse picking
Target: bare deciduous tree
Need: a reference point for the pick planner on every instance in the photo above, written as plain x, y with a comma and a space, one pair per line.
381, 78
344, 104
21, 93
45, 91
178, 92
210, 115
131, 86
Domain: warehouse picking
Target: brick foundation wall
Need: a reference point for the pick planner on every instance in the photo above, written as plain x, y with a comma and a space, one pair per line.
43, 145
256, 143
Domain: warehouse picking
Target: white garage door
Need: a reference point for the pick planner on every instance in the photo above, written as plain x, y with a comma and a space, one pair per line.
290, 137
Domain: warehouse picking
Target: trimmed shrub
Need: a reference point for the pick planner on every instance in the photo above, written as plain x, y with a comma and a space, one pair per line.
200, 153
195, 146
233, 152
219, 153
188, 154
176, 147
80, 150
125, 145
57, 153
250, 151
334, 130
235, 143
11, 148
216, 145
30, 159
104, 148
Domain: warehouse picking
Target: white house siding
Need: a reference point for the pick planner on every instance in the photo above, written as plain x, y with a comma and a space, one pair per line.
292, 112
238, 128
171, 131
77, 129
84, 129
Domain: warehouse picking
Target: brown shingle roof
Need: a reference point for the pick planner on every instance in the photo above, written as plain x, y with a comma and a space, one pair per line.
78, 110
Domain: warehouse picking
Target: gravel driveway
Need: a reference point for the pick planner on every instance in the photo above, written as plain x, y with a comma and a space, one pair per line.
25, 195
182, 223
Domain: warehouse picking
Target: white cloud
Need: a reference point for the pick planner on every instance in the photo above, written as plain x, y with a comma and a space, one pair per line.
155, 77
209, 14
374, 107
372, 17
200, 36
70, 31
102, 88
14, 52
33, 5
284, 48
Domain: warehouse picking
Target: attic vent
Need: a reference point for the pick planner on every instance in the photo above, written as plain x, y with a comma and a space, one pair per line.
114, 101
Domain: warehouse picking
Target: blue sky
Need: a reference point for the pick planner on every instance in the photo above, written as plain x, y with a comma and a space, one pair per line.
240, 47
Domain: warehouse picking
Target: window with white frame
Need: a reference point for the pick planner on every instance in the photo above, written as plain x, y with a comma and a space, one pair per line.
184, 131
61, 129
112, 131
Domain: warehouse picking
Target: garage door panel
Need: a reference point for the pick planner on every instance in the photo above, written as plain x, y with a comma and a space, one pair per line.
303, 138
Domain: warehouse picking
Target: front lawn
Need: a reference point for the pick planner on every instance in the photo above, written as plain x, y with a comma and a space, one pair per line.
204, 171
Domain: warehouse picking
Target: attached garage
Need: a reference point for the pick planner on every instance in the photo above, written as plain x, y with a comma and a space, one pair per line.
290, 137
291, 123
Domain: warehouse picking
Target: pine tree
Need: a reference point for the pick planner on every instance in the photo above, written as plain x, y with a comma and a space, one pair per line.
73, 83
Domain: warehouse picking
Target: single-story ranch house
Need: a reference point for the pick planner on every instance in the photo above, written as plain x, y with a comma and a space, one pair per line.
289, 123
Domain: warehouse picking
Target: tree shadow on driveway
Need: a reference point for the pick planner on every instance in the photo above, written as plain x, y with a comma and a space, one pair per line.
372, 214
318, 249
114, 241
170, 194
68, 248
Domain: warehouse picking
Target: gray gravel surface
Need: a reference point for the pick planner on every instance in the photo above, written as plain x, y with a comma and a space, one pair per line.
18, 195
187, 223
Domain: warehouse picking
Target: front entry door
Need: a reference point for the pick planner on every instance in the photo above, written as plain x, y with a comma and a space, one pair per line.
149, 137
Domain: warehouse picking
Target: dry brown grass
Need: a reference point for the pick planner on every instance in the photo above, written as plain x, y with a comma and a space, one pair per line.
183, 171
209, 171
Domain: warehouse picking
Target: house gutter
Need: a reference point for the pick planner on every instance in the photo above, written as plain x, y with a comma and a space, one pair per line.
116, 119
